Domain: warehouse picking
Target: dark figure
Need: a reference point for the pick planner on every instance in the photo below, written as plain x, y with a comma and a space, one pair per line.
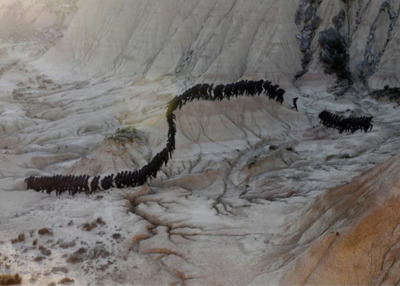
219, 92
295, 103
229, 91
343, 124
272, 91
279, 95
94, 184
265, 86
259, 86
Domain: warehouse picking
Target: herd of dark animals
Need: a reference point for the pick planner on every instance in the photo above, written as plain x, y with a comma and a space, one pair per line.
89, 185
348, 124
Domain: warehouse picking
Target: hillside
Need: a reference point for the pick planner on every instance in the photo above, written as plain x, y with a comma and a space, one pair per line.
255, 192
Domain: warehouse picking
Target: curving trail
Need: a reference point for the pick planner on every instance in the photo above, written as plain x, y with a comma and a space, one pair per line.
87, 184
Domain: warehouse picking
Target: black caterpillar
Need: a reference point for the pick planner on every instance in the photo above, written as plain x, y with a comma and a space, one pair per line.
347, 124
89, 185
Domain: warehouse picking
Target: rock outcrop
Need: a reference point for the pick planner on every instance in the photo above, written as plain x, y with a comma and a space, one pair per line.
352, 233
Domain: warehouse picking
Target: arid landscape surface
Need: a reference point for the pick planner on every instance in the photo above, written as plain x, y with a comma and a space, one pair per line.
255, 193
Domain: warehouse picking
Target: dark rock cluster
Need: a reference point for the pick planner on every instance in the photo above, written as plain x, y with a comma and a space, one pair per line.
334, 53
308, 21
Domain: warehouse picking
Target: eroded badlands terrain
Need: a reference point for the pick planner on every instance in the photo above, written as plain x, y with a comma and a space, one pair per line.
256, 193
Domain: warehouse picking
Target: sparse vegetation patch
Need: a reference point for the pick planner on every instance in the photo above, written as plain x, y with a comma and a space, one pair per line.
20, 238
45, 231
89, 226
124, 135
66, 280
77, 256
10, 279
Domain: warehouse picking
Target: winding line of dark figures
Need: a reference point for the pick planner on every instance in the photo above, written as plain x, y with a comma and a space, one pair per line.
89, 185
347, 124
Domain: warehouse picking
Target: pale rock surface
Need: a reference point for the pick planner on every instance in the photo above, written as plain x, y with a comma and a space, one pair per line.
256, 193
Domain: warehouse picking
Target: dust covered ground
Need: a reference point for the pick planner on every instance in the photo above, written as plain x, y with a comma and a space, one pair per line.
256, 193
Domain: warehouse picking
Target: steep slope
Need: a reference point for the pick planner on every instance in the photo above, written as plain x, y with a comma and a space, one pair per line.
351, 234
35, 25
370, 29
209, 40
227, 40
205, 41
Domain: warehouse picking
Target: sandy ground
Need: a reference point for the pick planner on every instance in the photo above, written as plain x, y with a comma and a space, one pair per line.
256, 192
225, 210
